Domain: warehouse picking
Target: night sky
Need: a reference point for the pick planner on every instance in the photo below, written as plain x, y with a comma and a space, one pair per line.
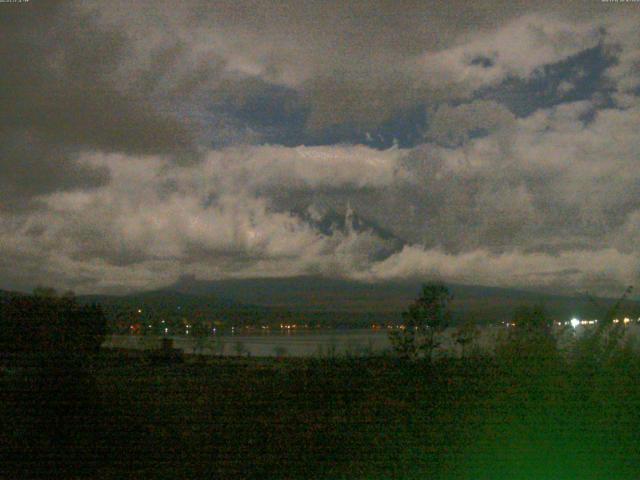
491, 143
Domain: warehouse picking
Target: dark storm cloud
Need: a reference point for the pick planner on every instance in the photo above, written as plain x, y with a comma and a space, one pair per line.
31, 166
59, 79
61, 95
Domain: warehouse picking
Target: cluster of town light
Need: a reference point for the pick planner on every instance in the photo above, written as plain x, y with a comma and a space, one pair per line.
625, 320
576, 322
284, 326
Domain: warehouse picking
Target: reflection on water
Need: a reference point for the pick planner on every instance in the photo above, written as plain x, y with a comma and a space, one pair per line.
323, 343
320, 343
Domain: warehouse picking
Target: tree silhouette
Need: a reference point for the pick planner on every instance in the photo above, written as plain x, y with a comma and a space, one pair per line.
530, 341
52, 396
597, 346
47, 323
465, 335
427, 316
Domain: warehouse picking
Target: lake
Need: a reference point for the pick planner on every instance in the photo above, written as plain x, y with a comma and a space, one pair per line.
298, 344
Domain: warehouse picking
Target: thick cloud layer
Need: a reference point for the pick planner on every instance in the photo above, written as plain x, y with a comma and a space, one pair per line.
492, 143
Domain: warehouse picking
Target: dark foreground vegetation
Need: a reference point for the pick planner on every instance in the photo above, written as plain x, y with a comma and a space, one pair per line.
531, 410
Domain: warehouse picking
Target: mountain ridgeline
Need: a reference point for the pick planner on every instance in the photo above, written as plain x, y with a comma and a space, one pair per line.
321, 301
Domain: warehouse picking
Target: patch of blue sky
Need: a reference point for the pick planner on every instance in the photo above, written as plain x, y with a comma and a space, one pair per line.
273, 113
577, 78
405, 129
278, 115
